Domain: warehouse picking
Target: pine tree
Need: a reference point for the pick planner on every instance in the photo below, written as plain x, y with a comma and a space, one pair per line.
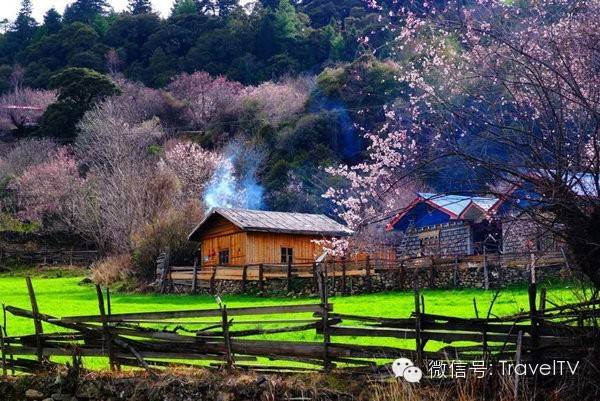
85, 10
287, 23
24, 25
52, 21
137, 7
181, 7
226, 6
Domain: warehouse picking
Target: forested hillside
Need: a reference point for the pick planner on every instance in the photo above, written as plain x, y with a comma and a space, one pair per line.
281, 76
124, 128
253, 43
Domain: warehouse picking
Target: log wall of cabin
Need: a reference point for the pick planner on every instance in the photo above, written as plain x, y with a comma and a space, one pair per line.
266, 247
221, 235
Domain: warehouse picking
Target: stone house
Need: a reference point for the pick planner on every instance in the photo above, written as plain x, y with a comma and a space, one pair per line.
438, 224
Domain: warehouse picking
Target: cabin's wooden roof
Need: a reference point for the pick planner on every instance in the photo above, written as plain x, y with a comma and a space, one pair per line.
275, 222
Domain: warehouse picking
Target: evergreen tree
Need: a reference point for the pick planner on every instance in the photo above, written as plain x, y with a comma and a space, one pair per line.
287, 24
78, 90
85, 10
137, 7
52, 21
272, 4
205, 7
182, 7
226, 6
24, 25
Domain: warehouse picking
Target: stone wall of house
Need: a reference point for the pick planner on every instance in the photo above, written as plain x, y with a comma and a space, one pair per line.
520, 234
498, 277
452, 238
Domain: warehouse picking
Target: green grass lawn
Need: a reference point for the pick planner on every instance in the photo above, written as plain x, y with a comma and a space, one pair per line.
64, 296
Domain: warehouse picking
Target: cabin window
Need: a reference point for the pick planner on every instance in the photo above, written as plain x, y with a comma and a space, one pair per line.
224, 257
287, 255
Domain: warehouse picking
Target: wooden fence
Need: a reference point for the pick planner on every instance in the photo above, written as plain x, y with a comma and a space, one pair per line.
50, 256
194, 277
251, 337
206, 277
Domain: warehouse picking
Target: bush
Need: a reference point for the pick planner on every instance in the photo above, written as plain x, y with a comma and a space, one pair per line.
169, 231
113, 269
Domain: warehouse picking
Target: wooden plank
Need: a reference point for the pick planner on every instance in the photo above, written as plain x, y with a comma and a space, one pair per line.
255, 310
195, 277
106, 338
446, 337
39, 330
417, 313
85, 351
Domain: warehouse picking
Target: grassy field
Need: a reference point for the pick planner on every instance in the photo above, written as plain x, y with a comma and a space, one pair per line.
64, 296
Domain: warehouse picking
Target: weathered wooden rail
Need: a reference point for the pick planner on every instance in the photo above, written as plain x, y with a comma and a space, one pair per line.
50, 256
250, 338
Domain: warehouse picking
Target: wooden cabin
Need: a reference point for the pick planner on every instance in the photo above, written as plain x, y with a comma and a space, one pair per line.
237, 237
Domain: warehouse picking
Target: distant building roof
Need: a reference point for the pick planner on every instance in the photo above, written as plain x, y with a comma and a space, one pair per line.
451, 205
456, 204
277, 222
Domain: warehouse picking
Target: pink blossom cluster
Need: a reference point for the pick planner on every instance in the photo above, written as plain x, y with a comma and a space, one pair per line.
44, 188
192, 165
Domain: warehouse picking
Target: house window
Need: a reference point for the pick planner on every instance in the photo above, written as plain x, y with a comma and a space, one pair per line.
224, 257
287, 255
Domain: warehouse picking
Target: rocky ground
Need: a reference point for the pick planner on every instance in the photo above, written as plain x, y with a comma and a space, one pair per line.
175, 385
213, 385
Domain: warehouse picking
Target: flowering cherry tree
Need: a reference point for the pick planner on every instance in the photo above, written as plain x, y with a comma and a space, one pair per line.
520, 78
278, 101
44, 189
192, 165
204, 97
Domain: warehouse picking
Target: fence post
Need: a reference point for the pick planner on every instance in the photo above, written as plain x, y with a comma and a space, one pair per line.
163, 268
368, 273
39, 330
418, 340
109, 314
517, 361
542, 307
5, 334
315, 278
402, 278
486, 273
212, 280
344, 284
532, 292
106, 340
455, 272
289, 275
195, 277
261, 278
3, 352
322, 284
226, 336
432, 273
244, 277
